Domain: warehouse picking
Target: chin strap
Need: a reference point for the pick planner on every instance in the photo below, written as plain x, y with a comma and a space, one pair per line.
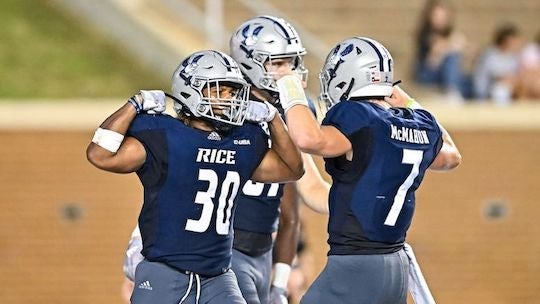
185, 110
221, 128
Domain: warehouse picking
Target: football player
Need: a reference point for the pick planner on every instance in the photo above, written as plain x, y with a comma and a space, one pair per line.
266, 48
376, 155
191, 169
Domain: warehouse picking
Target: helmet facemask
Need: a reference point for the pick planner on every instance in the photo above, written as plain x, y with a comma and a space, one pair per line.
324, 80
223, 101
266, 61
327, 74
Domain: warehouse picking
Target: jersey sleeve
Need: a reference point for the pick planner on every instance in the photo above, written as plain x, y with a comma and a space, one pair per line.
311, 106
261, 137
147, 129
353, 120
347, 117
439, 144
436, 132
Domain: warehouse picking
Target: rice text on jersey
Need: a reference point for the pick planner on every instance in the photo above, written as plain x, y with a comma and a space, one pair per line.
216, 156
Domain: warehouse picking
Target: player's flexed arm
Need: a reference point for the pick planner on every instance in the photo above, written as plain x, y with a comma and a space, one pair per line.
109, 150
448, 157
283, 160
306, 132
312, 188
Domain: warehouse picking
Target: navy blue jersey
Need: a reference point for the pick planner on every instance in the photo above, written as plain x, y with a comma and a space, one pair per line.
258, 207
258, 204
191, 178
372, 197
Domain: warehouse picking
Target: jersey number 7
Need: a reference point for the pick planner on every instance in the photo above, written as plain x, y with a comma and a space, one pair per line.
411, 157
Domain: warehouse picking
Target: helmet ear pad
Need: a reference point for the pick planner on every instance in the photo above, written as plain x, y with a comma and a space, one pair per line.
357, 68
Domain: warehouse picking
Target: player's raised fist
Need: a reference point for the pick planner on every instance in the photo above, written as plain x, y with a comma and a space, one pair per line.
399, 98
150, 101
260, 111
291, 92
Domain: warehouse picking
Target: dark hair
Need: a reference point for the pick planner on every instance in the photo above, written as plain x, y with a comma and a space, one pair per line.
425, 28
503, 32
425, 18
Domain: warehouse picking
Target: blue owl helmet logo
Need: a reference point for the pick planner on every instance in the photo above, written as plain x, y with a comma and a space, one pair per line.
251, 38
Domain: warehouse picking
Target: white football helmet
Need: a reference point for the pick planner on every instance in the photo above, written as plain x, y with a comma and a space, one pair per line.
263, 39
356, 67
201, 71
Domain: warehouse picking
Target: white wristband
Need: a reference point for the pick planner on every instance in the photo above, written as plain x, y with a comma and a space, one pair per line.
108, 139
281, 275
291, 92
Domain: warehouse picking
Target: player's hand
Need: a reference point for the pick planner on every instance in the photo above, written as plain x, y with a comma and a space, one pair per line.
152, 102
278, 295
291, 92
399, 98
260, 111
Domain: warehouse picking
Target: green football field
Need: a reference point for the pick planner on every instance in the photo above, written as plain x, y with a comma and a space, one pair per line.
45, 53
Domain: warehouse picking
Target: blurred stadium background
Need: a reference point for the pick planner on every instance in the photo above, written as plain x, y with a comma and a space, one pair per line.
66, 64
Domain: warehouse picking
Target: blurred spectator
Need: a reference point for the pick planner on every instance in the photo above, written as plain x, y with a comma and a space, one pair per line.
529, 71
495, 74
440, 48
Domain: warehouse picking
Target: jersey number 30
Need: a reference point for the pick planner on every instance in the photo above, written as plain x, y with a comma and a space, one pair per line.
410, 157
206, 199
